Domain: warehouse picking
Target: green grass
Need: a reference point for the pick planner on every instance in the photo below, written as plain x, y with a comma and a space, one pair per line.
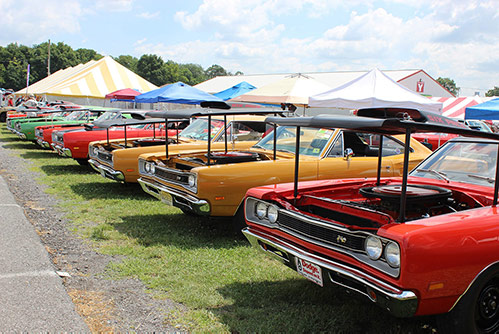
224, 284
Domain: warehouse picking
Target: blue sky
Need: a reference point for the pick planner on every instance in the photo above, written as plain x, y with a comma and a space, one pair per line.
458, 39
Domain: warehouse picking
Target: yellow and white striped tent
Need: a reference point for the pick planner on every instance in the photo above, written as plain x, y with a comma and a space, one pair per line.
92, 80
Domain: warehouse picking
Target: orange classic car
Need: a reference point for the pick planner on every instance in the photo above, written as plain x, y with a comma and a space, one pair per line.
215, 184
118, 160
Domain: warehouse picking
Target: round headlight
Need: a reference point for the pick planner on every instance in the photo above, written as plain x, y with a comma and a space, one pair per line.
191, 180
152, 169
261, 210
272, 213
392, 254
96, 151
147, 167
374, 247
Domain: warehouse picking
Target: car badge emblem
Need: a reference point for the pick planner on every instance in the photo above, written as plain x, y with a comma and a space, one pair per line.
341, 239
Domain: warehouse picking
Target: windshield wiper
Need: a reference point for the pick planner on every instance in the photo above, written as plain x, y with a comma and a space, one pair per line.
285, 151
442, 175
481, 177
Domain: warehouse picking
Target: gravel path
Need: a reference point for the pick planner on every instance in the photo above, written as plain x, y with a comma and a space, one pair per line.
106, 305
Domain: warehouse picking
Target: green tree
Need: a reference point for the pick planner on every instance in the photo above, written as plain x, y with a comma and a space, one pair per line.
86, 55
128, 61
449, 84
152, 68
196, 73
493, 92
215, 71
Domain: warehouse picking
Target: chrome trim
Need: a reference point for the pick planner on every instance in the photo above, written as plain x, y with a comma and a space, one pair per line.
400, 303
180, 199
106, 171
359, 255
471, 283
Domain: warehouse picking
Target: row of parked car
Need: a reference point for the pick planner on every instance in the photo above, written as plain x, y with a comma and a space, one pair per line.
349, 200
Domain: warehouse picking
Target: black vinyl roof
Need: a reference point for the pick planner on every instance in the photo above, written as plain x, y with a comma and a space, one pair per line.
127, 121
188, 113
424, 122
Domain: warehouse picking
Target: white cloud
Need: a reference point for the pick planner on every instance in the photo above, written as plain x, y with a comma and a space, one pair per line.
148, 16
114, 5
30, 22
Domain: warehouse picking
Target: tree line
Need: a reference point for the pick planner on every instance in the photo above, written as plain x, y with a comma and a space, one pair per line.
14, 60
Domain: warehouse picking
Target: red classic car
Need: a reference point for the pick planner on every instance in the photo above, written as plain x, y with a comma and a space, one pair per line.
74, 143
426, 243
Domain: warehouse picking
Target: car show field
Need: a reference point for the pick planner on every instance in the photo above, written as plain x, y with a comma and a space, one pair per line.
199, 274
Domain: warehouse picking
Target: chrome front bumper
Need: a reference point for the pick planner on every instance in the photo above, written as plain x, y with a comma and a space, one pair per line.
42, 143
400, 303
175, 197
107, 171
62, 151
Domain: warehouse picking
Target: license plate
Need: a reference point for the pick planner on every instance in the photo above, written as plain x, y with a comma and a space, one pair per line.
309, 270
166, 198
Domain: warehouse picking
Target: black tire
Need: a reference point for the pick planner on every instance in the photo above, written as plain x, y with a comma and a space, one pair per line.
3, 117
478, 309
238, 221
82, 162
188, 212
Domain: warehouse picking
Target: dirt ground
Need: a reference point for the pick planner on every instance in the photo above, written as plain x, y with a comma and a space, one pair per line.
106, 305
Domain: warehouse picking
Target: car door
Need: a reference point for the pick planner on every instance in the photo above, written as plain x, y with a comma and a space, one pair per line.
363, 162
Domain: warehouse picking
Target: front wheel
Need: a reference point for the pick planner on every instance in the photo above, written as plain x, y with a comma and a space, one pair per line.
82, 162
478, 310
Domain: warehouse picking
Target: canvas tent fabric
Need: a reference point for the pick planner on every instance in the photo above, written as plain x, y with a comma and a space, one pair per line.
234, 91
94, 79
455, 107
127, 95
488, 110
373, 90
178, 92
294, 89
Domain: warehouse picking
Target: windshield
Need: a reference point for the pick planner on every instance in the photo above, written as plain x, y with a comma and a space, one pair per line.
312, 140
109, 115
77, 115
198, 129
467, 162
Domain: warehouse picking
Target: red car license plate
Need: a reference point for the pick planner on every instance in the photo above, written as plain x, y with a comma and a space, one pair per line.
309, 270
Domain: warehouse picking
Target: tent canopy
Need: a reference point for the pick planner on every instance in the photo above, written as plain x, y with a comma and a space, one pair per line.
373, 90
126, 94
178, 92
234, 91
456, 106
94, 79
294, 89
488, 110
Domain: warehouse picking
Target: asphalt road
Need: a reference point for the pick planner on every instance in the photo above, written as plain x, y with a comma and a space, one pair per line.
32, 295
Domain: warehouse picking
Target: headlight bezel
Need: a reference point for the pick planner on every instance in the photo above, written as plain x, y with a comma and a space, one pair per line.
373, 247
262, 210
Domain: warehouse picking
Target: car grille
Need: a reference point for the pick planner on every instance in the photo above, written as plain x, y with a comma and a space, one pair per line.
171, 175
105, 156
338, 238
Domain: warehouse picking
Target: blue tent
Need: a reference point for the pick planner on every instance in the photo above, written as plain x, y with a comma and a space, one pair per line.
239, 89
488, 110
178, 92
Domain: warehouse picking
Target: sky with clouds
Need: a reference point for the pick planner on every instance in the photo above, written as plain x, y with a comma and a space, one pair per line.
458, 39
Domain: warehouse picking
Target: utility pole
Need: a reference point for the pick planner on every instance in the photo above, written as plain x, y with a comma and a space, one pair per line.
48, 61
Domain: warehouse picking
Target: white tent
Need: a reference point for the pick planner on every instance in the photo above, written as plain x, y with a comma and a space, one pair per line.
373, 90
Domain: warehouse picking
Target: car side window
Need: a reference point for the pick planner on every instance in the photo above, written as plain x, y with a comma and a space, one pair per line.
337, 148
367, 145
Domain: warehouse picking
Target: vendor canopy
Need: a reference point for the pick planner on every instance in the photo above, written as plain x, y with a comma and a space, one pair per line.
92, 79
488, 110
373, 90
456, 106
234, 91
126, 94
294, 89
178, 92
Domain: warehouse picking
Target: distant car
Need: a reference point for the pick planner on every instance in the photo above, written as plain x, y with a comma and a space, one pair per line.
214, 184
433, 140
477, 125
422, 243
119, 162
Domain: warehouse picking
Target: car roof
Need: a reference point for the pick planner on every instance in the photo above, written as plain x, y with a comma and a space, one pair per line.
393, 124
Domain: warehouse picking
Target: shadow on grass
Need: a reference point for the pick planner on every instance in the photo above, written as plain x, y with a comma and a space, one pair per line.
71, 168
25, 145
9, 139
107, 189
183, 231
39, 154
300, 306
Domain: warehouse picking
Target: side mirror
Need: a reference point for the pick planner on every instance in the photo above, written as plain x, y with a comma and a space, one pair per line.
348, 153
